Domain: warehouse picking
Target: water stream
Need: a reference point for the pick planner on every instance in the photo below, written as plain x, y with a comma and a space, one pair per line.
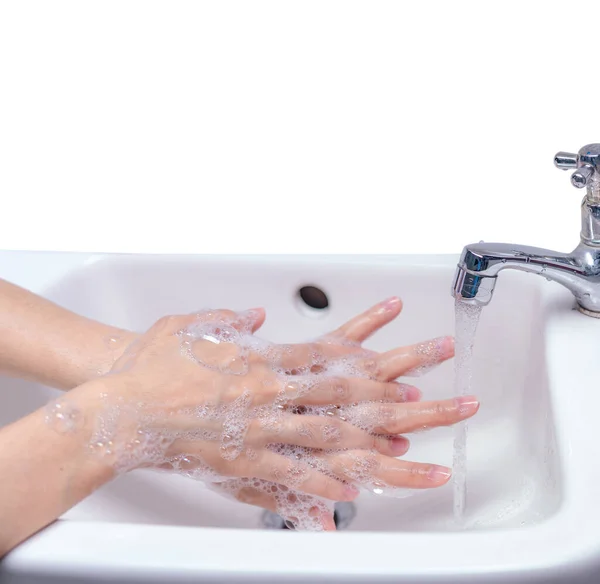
467, 317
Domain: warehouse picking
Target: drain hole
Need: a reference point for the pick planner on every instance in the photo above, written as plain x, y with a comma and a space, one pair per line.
314, 297
343, 515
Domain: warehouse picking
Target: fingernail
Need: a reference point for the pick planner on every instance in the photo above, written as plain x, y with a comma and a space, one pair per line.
399, 445
440, 474
408, 393
390, 304
446, 346
350, 493
467, 405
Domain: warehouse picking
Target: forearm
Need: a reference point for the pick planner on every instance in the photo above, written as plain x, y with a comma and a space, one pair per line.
46, 470
44, 342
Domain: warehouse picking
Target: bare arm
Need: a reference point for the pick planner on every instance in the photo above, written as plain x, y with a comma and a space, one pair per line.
43, 342
55, 473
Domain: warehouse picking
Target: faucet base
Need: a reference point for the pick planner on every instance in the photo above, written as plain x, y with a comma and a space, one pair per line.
587, 312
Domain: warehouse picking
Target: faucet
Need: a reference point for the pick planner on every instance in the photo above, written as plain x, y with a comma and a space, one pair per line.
578, 271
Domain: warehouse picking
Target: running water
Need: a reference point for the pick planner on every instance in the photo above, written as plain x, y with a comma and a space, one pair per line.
467, 317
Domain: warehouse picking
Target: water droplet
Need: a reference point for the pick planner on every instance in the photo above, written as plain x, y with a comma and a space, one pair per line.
377, 488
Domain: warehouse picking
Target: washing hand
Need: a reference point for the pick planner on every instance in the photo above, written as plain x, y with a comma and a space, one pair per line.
291, 428
317, 420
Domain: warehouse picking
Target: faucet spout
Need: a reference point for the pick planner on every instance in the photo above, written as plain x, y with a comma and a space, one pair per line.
480, 264
578, 271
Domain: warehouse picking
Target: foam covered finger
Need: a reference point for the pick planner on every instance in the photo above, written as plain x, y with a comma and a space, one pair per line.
172, 324
251, 319
361, 327
413, 360
390, 418
324, 433
295, 475
253, 496
377, 471
257, 498
348, 390
296, 508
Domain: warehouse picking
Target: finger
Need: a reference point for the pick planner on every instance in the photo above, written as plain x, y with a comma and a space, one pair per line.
368, 468
361, 327
259, 498
173, 324
412, 360
268, 466
294, 475
347, 390
324, 433
251, 319
390, 418
253, 496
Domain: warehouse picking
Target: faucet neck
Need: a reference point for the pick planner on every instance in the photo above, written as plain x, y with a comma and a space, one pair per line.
590, 216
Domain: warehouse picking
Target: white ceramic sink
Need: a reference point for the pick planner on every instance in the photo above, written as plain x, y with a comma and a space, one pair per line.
533, 470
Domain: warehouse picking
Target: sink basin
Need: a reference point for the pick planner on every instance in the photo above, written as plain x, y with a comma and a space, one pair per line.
531, 515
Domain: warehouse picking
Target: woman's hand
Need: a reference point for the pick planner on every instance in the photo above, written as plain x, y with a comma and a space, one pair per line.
387, 409
202, 396
152, 411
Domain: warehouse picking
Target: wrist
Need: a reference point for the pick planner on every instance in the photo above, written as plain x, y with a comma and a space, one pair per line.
99, 347
104, 414
114, 342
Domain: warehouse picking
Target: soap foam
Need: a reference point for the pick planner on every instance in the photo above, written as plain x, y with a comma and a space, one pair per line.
430, 356
134, 435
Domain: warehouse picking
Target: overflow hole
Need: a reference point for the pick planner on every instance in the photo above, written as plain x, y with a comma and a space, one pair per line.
313, 297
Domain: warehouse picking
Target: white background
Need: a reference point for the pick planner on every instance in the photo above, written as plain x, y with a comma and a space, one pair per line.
307, 126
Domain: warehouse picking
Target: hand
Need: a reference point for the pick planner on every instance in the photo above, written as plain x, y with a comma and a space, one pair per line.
390, 411
178, 400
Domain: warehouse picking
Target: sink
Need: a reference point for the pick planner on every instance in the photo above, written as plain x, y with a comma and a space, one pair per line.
532, 511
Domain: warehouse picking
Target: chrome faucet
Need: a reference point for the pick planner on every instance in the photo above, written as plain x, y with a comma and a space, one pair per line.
579, 271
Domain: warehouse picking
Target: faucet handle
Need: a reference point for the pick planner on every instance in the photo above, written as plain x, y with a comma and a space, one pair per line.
586, 162
566, 160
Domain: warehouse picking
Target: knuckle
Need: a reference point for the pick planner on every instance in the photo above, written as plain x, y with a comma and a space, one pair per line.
332, 432
440, 410
307, 432
415, 474
443, 413
372, 367
277, 474
391, 391
387, 413
378, 442
340, 389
